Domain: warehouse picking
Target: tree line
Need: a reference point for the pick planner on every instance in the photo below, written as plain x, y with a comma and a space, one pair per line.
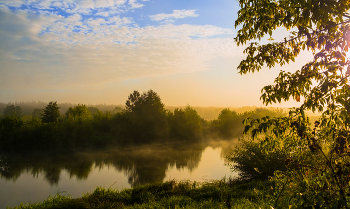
144, 119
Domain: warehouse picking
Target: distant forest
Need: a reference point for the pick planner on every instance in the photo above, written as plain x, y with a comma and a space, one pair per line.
207, 113
27, 108
143, 119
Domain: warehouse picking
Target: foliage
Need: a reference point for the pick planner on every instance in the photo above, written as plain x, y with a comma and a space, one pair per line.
228, 124
137, 103
102, 121
8, 125
80, 130
147, 116
144, 120
255, 159
223, 193
117, 109
13, 110
79, 112
51, 113
37, 113
34, 121
263, 112
323, 29
185, 124
93, 110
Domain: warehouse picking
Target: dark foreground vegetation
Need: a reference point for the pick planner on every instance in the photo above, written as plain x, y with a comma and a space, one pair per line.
309, 163
223, 193
144, 119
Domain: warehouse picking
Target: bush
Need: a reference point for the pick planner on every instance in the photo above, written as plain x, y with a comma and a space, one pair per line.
256, 159
185, 124
228, 124
8, 127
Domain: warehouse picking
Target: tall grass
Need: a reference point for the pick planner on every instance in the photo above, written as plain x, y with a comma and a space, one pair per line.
225, 193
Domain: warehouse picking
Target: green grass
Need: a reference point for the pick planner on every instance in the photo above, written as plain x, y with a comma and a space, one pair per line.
223, 193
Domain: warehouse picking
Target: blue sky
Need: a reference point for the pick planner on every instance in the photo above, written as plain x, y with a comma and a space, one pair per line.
93, 52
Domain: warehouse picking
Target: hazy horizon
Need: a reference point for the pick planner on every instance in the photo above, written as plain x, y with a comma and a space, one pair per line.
165, 105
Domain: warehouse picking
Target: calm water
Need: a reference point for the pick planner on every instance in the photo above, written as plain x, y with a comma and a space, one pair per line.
34, 178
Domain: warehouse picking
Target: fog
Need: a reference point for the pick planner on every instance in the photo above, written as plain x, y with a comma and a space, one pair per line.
117, 168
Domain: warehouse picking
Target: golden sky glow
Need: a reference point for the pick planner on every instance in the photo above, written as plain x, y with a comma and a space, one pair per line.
97, 52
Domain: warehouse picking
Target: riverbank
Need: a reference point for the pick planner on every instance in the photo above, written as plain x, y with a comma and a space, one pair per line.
225, 193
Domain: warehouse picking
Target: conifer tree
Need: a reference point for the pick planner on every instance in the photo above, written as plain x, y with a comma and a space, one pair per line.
51, 113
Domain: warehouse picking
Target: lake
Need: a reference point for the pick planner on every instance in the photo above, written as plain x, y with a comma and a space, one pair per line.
34, 178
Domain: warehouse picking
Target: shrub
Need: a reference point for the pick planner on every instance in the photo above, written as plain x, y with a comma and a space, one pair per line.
257, 159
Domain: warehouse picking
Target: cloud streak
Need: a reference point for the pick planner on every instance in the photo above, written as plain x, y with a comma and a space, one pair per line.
74, 6
177, 14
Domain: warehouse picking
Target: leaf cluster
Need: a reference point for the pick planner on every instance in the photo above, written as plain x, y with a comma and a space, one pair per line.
322, 84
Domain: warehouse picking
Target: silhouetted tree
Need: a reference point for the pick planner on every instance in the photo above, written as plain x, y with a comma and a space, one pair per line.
13, 110
37, 113
185, 124
117, 109
93, 110
9, 124
228, 123
51, 113
147, 116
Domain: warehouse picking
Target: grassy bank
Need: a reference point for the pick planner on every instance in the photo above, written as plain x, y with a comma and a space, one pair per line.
218, 194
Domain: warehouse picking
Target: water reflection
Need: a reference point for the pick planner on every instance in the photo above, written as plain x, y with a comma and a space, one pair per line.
141, 164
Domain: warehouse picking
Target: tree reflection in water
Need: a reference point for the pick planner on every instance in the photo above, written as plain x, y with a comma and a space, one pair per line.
141, 164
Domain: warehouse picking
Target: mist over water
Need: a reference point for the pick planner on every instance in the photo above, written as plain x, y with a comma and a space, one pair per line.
33, 178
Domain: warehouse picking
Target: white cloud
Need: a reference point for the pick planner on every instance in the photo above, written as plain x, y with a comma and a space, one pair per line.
117, 29
12, 3
177, 14
118, 21
57, 4
95, 23
120, 2
179, 32
104, 3
44, 4
103, 14
134, 4
65, 28
75, 6
74, 18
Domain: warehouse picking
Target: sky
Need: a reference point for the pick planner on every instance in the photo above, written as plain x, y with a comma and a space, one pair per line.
100, 51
